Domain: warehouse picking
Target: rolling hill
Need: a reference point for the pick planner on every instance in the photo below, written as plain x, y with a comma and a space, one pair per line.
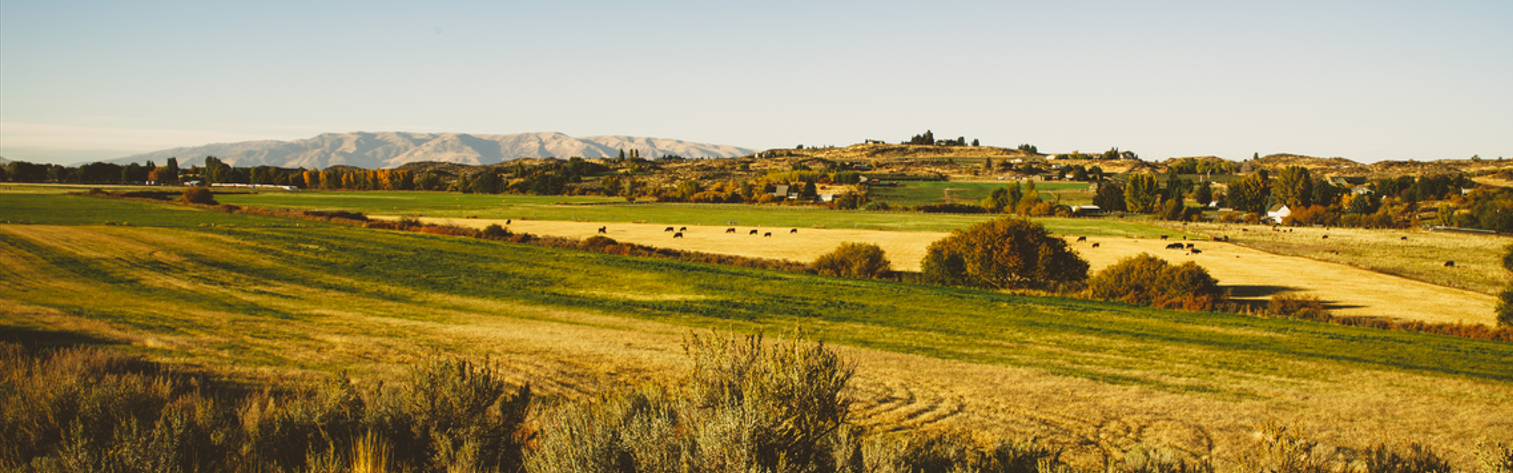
394, 149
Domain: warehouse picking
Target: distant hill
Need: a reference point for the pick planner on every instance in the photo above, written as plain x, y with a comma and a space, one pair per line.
395, 149
3, 160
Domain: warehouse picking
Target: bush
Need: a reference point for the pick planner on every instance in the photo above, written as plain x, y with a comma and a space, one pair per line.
1145, 279
1004, 254
199, 195
854, 260
1298, 307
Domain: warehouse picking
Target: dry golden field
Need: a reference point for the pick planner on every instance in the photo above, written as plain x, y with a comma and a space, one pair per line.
1254, 275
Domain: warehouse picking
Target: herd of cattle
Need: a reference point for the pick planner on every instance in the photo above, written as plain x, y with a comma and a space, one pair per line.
677, 232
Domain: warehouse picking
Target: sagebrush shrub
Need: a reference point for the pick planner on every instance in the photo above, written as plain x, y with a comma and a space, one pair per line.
854, 260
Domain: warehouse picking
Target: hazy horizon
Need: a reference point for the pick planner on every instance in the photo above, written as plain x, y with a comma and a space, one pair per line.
1359, 80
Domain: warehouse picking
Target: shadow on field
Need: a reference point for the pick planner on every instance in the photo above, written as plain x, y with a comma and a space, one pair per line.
1253, 291
34, 339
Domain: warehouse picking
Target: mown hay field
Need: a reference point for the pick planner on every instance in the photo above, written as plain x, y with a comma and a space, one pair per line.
1253, 275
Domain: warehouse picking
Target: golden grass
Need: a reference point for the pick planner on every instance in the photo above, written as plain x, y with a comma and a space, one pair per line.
577, 353
1254, 274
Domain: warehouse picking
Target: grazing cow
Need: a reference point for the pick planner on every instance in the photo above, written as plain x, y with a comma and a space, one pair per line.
730, 230
1184, 237
1174, 246
1326, 237
768, 234
603, 229
1189, 246
1196, 251
1163, 237
677, 235
668, 229
1404, 238
1095, 245
1081, 239
506, 221
793, 231
684, 229
753, 232
1450, 264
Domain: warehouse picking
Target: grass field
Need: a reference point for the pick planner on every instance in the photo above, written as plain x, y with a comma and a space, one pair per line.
257, 302
436, 204
970, 192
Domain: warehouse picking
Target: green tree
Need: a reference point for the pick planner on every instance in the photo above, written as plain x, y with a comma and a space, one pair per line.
1205, 193
1110, 197
1141, 193
1294, 187
854, 260
1249, 194
1008, 253
997, 200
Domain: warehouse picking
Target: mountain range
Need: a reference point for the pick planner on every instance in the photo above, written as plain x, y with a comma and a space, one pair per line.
394, 149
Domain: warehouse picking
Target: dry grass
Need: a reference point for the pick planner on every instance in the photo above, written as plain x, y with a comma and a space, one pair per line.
1253, 274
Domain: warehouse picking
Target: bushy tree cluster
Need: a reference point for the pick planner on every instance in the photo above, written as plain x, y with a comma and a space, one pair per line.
1145, 279
1007, 253
854, 260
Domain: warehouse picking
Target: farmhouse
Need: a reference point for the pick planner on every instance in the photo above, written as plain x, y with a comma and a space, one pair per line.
1278, 212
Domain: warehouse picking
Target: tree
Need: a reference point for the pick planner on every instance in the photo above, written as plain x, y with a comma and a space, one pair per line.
1205, 193
1110, 197
199, 195
974, 142
1141, 194
1293, 187
854, 260
1145, 279
1249, 194
1007, 253
997, 200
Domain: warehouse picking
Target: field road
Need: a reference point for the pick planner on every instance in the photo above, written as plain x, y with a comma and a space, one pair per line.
1251, 274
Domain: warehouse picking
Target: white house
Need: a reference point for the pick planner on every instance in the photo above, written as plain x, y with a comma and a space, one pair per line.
1278, 212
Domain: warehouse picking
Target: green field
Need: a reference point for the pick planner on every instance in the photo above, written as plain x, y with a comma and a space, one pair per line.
598, 209
925, 193
255, 301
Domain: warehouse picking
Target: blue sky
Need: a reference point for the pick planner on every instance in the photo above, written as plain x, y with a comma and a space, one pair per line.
1367, 81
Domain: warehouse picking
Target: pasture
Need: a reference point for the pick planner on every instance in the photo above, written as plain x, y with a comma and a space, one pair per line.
261, 302
1253, 276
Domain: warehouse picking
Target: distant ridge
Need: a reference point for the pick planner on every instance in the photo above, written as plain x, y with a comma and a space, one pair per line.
394, 149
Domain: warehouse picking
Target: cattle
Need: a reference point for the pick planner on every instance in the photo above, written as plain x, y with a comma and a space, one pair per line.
1174, 246
1450, 264
793, 231
1189, 246
677, 235
1184, 237
1095, 245
1326, 237
768, 234
730, 230
1081, 239
1404, 238
753, 232
668, 229
1163, 237
1196, 251
506, 221
684, 229
603, 229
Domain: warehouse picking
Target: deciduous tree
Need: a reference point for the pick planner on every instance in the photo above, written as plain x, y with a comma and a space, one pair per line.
1008, 253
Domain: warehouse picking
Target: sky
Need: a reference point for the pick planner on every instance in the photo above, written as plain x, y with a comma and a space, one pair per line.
1364, 80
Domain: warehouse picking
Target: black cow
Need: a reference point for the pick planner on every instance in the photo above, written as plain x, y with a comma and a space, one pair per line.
768, 234
1450, 264
753, 232
1174, 246
730, 230
793, 231
1095, 245
1081, 239
603, 229
1196, 251
1404, 238
668, 229
506, 221
1189, 246
684, 229
1326, 237
677, 235
1163, 237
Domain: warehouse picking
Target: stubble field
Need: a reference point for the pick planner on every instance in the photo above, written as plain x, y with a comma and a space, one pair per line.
1253, 275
